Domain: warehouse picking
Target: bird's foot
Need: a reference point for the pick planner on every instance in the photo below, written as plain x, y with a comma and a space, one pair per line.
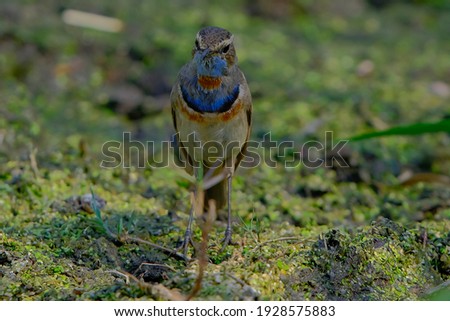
227, 239
186, 242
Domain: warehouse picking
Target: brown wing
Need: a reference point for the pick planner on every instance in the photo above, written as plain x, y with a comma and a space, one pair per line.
181, 158
248, 111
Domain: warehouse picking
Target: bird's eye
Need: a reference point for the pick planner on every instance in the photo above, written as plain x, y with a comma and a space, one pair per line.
197, 46
225, 49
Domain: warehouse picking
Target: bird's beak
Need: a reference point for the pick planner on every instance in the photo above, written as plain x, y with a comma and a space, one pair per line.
209, 63
205, 53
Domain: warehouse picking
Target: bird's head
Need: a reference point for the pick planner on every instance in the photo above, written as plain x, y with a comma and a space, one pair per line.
213, 52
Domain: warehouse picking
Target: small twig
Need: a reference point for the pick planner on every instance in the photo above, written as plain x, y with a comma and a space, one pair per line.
132, 239
235, 278
91, 20
158, 265
126, 276
324, 242
244, 285
211, 170
202, 254
157, 291
215, 179
33, 163
425, 239
156, 246
280, 239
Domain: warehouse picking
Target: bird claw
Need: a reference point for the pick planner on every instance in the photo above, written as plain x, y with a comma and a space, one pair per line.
227, 239
186, 242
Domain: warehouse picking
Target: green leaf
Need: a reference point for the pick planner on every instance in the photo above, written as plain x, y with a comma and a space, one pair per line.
282, 266
412, 129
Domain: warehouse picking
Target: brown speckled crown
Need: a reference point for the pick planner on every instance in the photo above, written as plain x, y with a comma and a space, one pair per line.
210, 37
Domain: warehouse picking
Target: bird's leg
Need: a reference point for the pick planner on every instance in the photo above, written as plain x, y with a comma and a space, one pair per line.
227, 239
188, 234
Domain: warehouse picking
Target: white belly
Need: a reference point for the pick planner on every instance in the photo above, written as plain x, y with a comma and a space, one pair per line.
208, 142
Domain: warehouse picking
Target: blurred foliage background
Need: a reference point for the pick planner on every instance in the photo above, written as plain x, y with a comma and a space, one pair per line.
312, 65
348, 67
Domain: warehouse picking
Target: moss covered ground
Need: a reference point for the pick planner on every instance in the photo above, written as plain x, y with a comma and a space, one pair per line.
376, 230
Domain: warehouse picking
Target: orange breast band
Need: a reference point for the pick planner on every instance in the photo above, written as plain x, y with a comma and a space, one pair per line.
208, 82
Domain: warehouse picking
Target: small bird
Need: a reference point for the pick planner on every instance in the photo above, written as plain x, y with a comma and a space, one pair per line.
212, 115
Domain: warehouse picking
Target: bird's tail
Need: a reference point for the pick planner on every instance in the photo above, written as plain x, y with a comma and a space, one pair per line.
218, 193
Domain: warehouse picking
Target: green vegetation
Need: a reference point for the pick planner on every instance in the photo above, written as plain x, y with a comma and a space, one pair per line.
413, 129
376, 230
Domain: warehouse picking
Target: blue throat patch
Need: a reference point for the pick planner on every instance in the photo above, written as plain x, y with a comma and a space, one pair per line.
203, 103
212, 67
